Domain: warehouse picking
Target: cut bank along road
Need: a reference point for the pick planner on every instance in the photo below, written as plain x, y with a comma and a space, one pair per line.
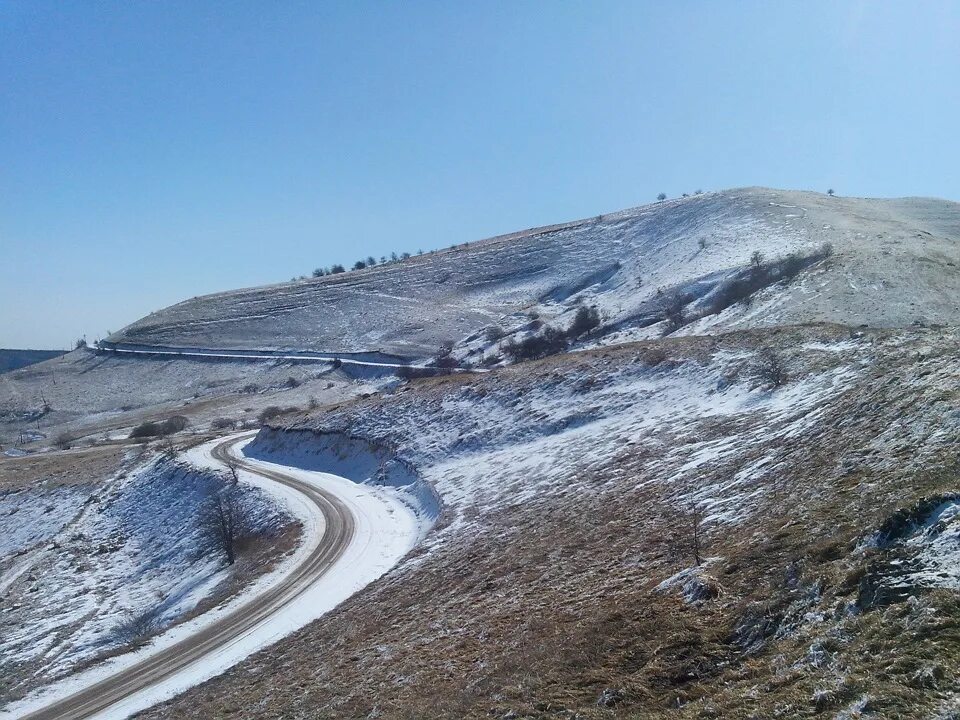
339, 528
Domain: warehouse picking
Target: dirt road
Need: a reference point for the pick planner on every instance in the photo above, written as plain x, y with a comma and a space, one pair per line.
338, 533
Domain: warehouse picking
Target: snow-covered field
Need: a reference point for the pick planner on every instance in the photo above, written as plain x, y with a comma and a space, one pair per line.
156, 509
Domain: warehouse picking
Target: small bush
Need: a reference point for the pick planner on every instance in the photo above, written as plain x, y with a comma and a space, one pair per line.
494, 333
291, 382
445, 361
586, 319
250, 389
269, 413
63, 441
674, 311
153, 428
359, 265
80, 344
146, 429
175, 424
336, 269
770, 369
550, 342
223, 423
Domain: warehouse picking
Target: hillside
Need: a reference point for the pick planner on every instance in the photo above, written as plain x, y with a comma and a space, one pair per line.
733, 495
562, 580
894, 262
16, 359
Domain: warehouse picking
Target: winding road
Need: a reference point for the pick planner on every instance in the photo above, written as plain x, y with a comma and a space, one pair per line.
339, 528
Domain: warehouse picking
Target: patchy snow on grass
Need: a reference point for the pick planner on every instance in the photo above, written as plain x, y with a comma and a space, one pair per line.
95, 569
385, 530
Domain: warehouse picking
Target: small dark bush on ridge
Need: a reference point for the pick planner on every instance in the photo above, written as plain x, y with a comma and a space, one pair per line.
550, 342
586, 319
154, 428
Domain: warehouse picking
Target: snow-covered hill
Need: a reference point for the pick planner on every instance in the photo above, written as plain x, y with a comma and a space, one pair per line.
894, 262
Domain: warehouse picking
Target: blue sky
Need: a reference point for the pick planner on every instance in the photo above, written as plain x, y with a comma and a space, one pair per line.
150, 152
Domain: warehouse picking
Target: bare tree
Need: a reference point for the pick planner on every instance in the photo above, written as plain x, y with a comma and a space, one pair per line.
220, 520
770, 368
233, 469
756, 260
661, 197
696, 521
675, 311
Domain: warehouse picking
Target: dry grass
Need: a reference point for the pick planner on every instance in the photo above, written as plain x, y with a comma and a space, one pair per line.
90, 465
536, 608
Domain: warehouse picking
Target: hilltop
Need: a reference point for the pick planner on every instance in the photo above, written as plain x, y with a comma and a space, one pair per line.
893, 263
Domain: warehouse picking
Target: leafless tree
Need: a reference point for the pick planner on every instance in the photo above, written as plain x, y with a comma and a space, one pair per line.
696, 521
63, 441
233, 469
685, 535
675, 311
770, 368
220, 521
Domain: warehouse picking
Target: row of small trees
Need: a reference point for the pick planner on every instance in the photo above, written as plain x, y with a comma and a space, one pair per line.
369, 261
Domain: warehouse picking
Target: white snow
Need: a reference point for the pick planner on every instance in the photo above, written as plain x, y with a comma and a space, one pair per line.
386, 529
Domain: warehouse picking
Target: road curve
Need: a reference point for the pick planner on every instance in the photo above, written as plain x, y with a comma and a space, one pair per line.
338, 533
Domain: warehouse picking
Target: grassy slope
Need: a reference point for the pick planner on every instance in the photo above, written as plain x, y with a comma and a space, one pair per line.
536, 607
895, 262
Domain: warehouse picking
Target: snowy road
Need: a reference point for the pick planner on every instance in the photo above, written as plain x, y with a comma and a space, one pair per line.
352, 534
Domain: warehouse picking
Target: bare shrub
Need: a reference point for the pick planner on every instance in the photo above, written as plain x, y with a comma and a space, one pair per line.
136, 626
174, 424
220, 520
586, 319
223, 423
491, 360
769, 368
63, 441
146, 429
494, 333
550, 342
269, 413
674, 311
445, 361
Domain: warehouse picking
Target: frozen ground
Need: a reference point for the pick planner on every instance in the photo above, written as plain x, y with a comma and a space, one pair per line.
386, 528
89, 569
894, 263
84, 395
562, 564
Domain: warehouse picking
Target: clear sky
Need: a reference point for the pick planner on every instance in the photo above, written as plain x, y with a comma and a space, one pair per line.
152, 151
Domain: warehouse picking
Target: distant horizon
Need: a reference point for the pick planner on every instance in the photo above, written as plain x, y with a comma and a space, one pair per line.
153, 153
